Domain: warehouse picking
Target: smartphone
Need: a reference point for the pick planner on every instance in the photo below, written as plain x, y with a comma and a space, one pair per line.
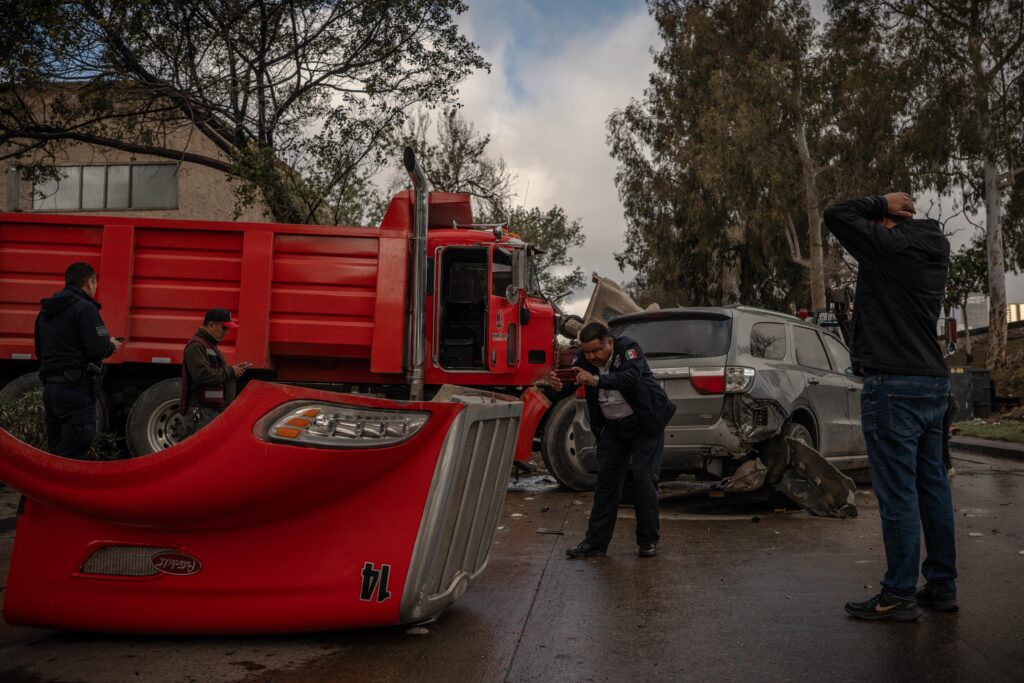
120, 339
566, 375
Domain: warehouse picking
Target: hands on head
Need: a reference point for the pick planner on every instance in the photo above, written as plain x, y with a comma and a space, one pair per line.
899, 204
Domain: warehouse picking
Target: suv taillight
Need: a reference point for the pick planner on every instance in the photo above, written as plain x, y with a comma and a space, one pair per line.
729, 380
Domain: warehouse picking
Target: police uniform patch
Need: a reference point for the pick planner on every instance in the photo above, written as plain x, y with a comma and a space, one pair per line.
617, 362
101, 330
631, 354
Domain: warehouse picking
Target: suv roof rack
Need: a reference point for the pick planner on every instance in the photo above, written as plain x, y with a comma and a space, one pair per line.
765, 311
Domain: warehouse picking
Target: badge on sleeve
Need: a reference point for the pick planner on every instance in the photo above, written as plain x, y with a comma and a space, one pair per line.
631, 354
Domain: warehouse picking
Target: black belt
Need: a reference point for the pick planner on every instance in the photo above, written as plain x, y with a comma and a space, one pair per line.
624, 424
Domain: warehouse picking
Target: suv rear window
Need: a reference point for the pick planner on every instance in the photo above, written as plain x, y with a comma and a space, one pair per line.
700, 337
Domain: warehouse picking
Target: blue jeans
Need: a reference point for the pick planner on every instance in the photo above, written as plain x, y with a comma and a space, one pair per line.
902, 420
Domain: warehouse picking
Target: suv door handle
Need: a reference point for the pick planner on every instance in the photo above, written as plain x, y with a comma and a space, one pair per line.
853, 388
813, 380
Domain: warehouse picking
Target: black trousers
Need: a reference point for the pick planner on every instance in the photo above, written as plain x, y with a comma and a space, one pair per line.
70, 419
617, 452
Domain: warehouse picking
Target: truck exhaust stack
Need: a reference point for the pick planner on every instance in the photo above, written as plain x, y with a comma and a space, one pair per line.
419, 277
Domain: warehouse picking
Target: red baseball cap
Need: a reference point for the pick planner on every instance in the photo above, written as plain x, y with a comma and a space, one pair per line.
220, 315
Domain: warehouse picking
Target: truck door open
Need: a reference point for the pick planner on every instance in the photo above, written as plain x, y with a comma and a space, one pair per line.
503, 310
461, 297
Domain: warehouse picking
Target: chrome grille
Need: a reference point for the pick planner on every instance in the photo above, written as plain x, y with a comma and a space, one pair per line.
463, 508
124, 560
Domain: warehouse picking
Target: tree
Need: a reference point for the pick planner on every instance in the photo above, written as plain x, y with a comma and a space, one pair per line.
967, 119
298, 96
967, 274
738, 146
456, 159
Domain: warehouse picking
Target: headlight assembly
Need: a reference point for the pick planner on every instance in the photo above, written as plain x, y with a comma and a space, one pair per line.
327, 425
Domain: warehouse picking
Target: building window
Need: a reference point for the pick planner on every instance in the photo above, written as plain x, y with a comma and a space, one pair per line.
128, 186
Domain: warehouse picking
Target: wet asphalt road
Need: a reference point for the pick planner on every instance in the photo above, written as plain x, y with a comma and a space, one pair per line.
727, 598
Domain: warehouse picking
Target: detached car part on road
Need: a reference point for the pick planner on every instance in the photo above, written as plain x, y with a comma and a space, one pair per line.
298, 510
763, 399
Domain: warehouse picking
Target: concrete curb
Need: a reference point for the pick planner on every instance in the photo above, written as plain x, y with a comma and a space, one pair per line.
998, 449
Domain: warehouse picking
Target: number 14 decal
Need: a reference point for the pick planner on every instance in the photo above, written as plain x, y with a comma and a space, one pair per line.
375, 581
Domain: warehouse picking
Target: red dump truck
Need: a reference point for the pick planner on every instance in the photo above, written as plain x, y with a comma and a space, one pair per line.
348, 309
337, 495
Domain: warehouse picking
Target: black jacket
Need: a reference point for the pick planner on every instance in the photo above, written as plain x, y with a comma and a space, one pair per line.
632, 377
70, 333
901, 282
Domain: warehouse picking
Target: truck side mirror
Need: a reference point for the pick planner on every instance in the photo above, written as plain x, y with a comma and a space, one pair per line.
950, 336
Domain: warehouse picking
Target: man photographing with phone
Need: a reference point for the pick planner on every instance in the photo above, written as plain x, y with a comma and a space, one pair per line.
208, 383
628, 411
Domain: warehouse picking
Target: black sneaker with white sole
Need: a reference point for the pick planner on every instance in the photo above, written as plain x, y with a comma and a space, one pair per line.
884, 608
932, 598
647, 550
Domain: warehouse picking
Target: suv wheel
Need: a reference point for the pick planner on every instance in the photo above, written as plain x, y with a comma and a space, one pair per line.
798, 432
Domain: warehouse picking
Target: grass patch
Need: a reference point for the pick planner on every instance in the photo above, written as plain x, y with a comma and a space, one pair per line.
997, 430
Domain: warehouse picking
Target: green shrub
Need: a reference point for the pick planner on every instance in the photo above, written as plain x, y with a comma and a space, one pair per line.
25, 419
1009, 381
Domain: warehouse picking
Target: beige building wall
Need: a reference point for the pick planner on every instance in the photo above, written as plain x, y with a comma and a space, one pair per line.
203, 193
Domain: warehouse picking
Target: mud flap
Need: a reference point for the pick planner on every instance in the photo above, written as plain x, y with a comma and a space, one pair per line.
814, 484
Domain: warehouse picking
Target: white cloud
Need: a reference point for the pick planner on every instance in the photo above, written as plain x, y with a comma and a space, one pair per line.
547, 117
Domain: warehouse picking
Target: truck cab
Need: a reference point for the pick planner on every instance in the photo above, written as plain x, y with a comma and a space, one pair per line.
488, 322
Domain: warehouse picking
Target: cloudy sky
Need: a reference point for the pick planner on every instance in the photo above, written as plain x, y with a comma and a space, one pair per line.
559, 69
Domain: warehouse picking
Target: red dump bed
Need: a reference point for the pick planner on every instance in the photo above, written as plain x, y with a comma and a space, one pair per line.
312, 301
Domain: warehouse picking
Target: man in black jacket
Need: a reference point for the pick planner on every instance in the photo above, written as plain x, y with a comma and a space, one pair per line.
71, 341
901, 280
628, 411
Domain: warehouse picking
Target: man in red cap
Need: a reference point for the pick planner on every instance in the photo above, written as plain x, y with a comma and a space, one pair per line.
207, 381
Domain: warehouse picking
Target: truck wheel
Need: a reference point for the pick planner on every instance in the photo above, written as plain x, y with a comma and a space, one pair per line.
153, 418
20, 386
30, 382
558, 449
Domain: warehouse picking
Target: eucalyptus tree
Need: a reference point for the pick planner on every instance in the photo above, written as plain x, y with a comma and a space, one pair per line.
755, 120
966, 119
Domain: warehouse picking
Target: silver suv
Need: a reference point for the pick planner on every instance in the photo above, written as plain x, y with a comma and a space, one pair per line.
743, 379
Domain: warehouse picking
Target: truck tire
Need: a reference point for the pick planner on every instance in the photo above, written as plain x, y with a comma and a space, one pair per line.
152, 419
559, 452
29, 382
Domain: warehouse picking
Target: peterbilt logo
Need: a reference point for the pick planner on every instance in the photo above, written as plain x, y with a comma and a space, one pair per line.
178, 564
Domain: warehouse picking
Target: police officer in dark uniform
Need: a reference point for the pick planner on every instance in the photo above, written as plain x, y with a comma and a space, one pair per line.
207, 381
71, 342
628, 412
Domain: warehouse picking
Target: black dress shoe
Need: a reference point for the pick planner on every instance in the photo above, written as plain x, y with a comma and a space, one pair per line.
647, 551
584, 550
